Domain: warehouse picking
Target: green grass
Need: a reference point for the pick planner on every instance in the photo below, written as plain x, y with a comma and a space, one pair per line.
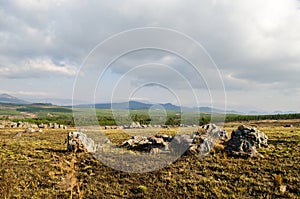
35, 109
12, 112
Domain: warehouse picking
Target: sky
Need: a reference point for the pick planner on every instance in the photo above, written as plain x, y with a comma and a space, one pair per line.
250, 58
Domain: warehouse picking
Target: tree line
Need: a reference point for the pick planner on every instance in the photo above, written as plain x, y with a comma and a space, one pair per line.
173, 120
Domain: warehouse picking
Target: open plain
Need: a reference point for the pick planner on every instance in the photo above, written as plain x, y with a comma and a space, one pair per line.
37, 165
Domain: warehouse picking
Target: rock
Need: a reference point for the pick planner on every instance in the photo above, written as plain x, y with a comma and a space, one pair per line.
55, 126
20, 124
155, 151
157, 141
210, 129
13, 125
139, 143
34, 126
29, 130
61, 126
181, 143
135, 125
78, 141
41, 126
200, 142
245, 141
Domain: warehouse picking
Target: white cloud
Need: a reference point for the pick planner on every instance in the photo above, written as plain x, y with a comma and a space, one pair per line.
256, 44
38, 68
27, 93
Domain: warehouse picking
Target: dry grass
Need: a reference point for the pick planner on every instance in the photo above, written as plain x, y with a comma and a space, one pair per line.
38, 166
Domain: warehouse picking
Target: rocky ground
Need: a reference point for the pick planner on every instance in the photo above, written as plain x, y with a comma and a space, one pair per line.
38, 165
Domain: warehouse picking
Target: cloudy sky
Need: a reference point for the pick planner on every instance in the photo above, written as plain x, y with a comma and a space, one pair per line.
254, 47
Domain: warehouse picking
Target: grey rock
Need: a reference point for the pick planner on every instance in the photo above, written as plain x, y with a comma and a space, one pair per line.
29, 130
245, 141
78, 141
199, 142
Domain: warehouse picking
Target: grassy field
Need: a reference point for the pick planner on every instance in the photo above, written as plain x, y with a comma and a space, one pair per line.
37, 165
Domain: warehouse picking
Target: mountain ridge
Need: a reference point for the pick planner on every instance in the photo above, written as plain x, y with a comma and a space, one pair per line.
131, 105
136, 105
9, 99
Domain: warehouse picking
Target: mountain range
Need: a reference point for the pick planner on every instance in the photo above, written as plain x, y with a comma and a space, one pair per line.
131, 105
5, 98
135, 105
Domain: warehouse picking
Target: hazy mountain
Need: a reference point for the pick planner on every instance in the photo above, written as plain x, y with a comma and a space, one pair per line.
5, 98
56, 101
135, 105
131, 105
284, 112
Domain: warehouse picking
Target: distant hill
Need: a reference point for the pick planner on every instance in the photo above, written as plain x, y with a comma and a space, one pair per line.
135, 105
8, 99
131, 105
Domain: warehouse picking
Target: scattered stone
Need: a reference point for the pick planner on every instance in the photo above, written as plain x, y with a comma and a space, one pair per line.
288, 125
135, 125
13, 125
55, 126
29, 130
245, 141
34, 126
138, 143
41, 126
199, 142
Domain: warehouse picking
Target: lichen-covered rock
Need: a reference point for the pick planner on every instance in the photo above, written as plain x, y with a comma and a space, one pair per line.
245, 141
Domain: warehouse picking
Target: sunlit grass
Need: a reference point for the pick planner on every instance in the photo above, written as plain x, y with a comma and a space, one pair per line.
37, 165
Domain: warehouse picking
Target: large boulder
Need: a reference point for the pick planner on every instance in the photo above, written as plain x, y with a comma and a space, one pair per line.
182, 142
78, 141
141, 143
245, 141
211, 130
206, 138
